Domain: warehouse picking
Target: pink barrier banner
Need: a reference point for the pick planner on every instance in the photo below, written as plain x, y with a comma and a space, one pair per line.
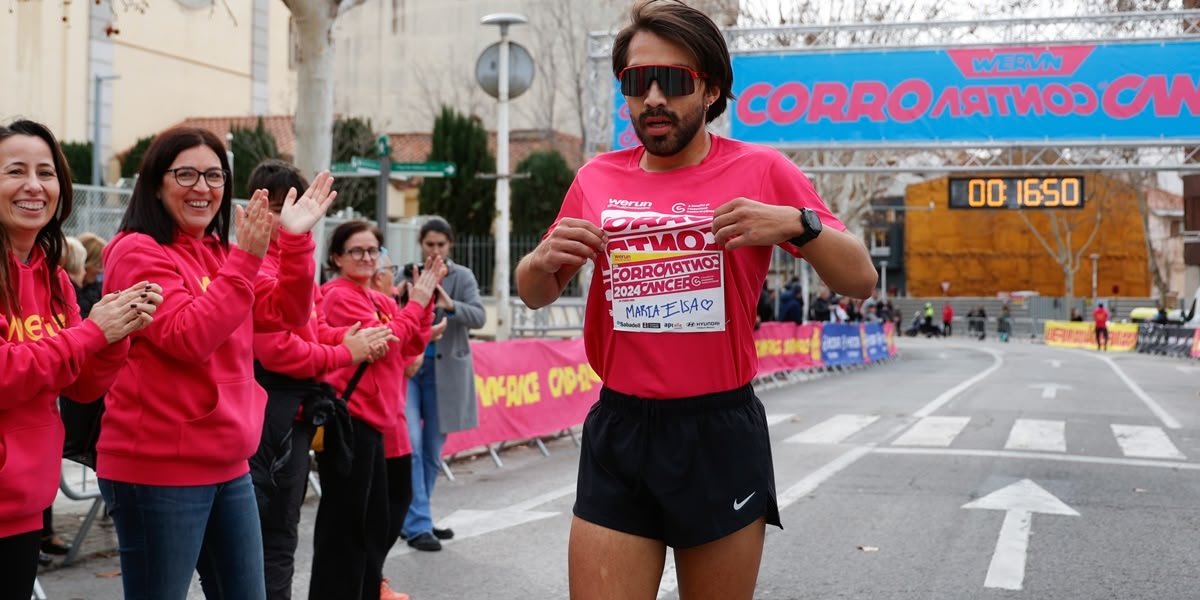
1196, 344
527, 388
787, 346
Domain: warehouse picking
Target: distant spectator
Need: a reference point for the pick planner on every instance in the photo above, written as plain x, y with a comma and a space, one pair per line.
1076, 316
1100, 316
1004, 324
947, 319
791, 306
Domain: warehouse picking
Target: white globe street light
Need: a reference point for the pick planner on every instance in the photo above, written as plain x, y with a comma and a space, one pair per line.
502, 225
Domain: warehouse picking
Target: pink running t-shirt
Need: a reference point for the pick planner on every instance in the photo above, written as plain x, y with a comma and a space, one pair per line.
665, 301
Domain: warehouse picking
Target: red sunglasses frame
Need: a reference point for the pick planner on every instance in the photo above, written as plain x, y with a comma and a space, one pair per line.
694, 73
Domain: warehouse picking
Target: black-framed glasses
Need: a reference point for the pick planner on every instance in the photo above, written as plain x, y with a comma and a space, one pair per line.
359, 253
673, 80
189, 176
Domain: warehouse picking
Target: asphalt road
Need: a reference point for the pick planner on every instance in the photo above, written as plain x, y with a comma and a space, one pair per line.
960, 470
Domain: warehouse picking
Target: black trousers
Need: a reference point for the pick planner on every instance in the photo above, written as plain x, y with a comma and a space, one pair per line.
350, 539
279, 512
399, 471
19, 561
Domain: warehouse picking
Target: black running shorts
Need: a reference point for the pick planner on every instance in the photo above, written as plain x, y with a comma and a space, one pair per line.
687, 471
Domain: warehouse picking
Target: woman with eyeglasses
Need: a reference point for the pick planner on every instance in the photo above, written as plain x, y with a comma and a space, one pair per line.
351, 537
185, 413
46, 347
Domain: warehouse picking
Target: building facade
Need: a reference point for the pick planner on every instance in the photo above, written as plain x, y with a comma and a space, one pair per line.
154, 64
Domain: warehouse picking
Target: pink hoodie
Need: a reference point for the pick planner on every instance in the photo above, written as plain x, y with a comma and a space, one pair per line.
185, 409
42, 359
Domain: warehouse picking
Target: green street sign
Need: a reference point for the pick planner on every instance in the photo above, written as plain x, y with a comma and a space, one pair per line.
364, 163
400, 170
425, 169
382, 146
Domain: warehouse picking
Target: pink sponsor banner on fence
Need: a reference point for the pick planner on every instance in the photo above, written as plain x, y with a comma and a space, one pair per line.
787, 346
1196, 343
527, 388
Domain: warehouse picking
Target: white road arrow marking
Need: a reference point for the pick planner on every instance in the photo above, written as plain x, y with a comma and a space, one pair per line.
1018, 501
1054, 362
468, 523
1050, 390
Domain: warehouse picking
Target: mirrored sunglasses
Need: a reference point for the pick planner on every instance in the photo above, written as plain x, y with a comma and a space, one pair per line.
673, 80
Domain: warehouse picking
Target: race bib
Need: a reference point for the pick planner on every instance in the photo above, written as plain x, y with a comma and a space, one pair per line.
667, 292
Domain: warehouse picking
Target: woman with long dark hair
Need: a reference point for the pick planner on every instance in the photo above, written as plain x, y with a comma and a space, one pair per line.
185, 413
46, 347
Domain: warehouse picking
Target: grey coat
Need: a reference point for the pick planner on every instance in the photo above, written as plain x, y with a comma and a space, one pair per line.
454, 369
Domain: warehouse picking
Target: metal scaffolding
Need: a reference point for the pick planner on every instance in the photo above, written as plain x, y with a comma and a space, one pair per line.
939, 157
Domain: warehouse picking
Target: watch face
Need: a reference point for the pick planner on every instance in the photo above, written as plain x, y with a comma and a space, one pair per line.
811, 221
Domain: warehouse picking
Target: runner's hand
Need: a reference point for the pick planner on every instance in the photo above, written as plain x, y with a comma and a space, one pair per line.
573, 242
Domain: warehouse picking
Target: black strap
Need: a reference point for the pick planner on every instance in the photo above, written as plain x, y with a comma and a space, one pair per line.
353, 383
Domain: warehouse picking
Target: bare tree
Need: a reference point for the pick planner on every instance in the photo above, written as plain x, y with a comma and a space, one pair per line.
1065, 228
314, 20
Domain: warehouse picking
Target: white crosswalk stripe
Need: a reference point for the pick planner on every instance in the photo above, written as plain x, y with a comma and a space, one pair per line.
834, 430
1034, 435
1145, 442
1037, 434
933, 431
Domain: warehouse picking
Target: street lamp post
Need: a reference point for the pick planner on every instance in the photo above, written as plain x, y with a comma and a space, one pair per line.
883, 279
98, 87
501, 281
1095, 258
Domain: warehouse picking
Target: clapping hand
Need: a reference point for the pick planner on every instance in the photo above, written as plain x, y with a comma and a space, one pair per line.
254, 225
119, 314
299, 215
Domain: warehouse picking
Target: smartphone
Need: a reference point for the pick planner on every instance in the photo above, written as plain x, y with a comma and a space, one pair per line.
408, 270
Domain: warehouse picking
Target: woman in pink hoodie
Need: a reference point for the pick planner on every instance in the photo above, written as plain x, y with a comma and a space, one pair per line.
185, 413
45, 349
351, 537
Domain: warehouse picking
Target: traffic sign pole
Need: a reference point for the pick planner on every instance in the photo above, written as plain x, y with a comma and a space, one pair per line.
381, 203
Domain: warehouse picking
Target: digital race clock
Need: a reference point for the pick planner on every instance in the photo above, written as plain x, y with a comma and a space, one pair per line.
1016, 192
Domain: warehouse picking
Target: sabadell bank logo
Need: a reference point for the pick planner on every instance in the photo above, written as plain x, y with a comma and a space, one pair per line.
621, 203
678, 208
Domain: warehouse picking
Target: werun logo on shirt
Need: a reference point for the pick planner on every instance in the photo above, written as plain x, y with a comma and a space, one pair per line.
621, 203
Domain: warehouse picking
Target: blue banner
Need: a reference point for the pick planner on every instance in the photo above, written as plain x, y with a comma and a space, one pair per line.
876, 341
1081, 93
841, 344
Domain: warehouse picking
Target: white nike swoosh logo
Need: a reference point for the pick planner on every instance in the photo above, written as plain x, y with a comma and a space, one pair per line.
738, 505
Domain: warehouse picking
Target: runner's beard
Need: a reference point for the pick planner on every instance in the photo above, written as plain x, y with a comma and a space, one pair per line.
676, 139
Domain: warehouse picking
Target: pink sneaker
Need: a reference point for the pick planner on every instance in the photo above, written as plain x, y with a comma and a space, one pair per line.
386, 593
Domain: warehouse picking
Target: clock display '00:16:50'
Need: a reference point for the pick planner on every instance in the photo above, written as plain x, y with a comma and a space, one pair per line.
1016, 192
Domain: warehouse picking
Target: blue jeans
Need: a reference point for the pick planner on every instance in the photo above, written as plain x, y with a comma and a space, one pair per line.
166, 532
422, 414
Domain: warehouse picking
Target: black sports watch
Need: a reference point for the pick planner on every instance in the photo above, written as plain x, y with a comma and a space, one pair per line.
812, 227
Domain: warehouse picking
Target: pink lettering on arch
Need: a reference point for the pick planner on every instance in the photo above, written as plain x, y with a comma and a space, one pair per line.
910, 87
1028, 100
947, 102
974, 102
1183, 91
1086, 102
752, 93
868, 99
1112, 97
1057, 99
775, 111
828, 101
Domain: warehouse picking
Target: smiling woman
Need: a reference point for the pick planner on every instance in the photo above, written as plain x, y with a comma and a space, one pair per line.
185, 413
52, 351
